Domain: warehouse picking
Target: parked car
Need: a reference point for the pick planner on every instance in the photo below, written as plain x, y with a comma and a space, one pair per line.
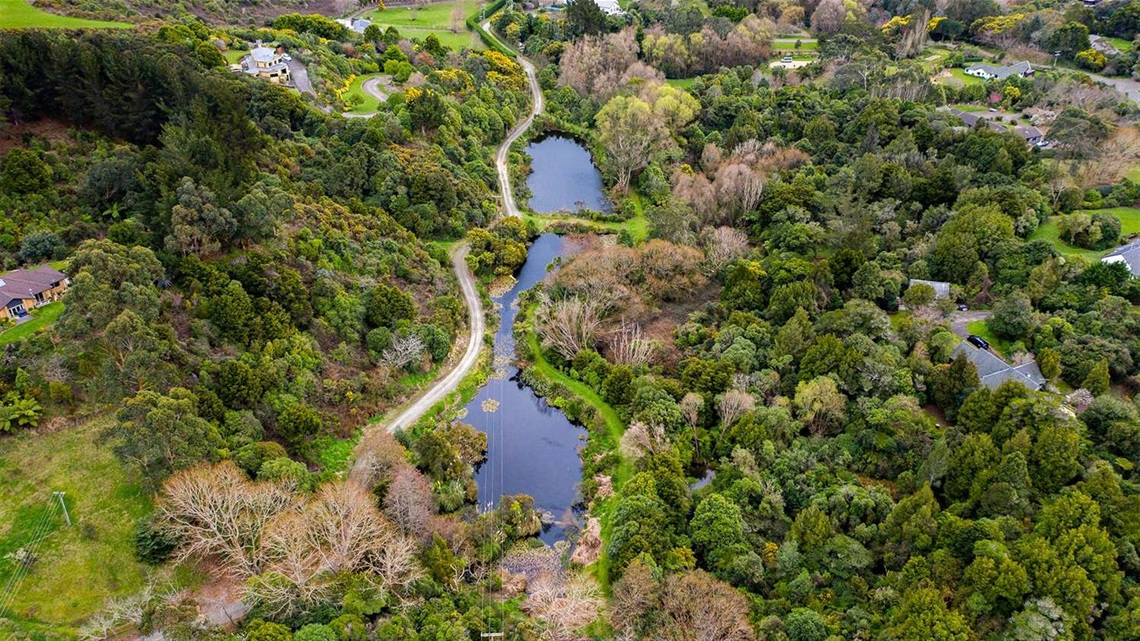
286, 57
963, 308
786, 59
978, 341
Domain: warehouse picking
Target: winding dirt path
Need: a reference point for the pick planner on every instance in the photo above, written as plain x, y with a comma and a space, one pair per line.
476, 318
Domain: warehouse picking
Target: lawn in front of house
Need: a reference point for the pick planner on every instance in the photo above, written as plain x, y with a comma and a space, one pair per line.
961, 76
20, 14
41, 317
78, 568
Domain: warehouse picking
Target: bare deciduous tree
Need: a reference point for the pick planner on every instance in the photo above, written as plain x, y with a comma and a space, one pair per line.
629, 346
732, 405
691, 406
405, 350
738, 190
568, 325
594, 65
378, 457
216, 512
567, 602
339, 531
410, 502
642, 439
698, 607
722, 245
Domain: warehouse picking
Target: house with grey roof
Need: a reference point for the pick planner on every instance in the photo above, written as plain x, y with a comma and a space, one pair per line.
941, 288
987, 71
971, 118
993, 371
1030, 134
1128, 254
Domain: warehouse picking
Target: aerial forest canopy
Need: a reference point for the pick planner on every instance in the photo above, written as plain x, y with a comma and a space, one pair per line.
854, 344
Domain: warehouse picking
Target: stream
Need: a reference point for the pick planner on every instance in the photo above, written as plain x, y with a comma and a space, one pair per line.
532, 448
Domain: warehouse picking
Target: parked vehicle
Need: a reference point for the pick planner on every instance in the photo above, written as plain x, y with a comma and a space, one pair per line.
786, 59
978, 341
963, 308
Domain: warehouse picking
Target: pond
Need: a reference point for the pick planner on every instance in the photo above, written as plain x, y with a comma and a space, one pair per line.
532, 448
563, 178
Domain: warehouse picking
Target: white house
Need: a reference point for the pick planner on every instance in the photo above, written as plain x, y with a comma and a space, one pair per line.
1001, 72
609, 7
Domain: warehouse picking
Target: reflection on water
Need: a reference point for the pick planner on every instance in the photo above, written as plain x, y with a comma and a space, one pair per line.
563, 177
532, 448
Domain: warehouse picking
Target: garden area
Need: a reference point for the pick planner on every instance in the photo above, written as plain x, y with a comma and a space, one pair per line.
41, 317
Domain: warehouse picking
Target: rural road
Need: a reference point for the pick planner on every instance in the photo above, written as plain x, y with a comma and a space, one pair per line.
504, 153
476, 323
476, 318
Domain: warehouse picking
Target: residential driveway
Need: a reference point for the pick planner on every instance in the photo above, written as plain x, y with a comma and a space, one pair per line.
300, 77
1127, 86
960, 320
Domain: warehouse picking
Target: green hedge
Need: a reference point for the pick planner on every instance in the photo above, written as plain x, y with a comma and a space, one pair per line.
488, 39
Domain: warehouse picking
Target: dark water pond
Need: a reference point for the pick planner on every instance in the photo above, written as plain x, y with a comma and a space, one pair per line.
532, 448
563, 177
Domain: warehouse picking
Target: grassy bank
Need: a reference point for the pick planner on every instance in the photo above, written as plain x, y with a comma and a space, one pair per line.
20, 14
368, 104
602, 438
1050, 231
79, 567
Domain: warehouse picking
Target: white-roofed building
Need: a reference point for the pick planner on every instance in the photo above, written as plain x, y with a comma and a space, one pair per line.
265, 62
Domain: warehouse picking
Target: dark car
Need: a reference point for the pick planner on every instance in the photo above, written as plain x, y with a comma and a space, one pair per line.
963, 308
978, 341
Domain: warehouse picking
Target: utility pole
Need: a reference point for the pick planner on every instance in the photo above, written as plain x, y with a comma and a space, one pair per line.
62, 504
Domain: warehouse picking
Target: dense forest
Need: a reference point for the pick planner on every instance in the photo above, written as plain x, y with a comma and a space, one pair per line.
788, 436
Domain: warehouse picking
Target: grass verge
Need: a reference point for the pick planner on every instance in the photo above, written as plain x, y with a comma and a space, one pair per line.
368, 104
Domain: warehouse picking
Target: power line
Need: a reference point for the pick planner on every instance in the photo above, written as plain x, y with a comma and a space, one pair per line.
31, 551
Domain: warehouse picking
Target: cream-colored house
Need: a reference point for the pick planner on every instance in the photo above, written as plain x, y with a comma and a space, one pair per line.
265, 62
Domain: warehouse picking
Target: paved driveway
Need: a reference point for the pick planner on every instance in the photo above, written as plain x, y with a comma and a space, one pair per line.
300, 77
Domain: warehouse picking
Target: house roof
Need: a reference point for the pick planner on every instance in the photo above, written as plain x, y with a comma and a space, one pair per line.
993, 371
22, 283
263, 54
1128, 254
1029, 132
609, 7
941, 288
971, 119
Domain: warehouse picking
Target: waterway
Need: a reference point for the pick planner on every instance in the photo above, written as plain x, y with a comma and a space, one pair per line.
532, 448
563, 178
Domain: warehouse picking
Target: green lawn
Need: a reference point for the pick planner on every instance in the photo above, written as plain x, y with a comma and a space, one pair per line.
368, 104
41, 318
1120, 43
234, 56
79, 567
683, 83
434, 18
960, 76
1050, 231
979, 328
20, 14
806, 44
1129, 218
